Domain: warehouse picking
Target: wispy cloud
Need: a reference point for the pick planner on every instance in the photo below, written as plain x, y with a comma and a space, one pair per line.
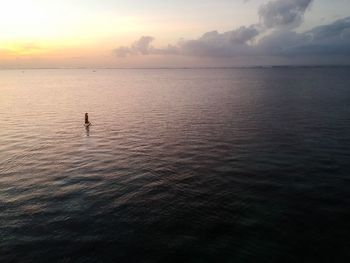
21, 49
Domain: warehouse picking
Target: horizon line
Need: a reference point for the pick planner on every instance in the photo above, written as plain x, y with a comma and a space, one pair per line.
194, 67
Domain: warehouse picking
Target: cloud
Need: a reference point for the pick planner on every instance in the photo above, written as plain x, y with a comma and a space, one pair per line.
259, 40
338, 29
221, 44
213, 43
328, 39
143, 46
332, 39
122, 51
283, 13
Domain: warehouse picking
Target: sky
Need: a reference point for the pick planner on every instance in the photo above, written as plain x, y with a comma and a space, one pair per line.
173, 33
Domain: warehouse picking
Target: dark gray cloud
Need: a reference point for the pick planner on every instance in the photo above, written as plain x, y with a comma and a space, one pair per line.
332, 39
338, 29
283, 13
328, 39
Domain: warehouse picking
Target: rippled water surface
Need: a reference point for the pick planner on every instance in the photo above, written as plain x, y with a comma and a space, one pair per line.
196, 165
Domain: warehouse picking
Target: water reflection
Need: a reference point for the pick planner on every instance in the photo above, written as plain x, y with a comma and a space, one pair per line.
87, 131
192, 165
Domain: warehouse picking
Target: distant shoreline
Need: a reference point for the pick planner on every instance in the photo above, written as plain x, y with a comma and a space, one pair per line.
171, 68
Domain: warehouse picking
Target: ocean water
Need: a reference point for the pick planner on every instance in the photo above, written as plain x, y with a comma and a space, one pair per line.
179, 165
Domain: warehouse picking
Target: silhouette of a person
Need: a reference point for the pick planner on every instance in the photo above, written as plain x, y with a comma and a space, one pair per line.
86, 118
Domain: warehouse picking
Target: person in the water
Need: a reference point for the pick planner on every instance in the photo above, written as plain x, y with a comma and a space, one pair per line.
87, 118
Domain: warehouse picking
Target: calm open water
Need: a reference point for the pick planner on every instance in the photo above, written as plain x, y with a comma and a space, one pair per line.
196, 165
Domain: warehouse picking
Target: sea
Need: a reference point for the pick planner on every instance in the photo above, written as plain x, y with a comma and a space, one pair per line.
178, 165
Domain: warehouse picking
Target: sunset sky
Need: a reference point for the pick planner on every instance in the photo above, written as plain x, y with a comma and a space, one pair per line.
157, 33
